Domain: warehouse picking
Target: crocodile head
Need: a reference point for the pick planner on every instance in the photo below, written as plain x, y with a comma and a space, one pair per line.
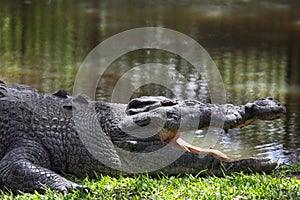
166, 119
266, 109
168, 116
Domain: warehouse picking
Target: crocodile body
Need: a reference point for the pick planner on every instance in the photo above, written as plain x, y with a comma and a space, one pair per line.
45, 135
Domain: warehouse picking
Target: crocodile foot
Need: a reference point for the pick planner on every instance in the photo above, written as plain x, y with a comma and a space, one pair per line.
66, 187
250, 165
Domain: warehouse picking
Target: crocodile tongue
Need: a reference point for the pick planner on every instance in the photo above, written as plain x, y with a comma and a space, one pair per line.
215, 153
174, 140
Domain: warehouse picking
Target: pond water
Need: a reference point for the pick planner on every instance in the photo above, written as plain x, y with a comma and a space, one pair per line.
255, 45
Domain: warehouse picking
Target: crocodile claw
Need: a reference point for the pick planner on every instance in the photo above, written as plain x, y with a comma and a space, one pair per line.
68, 187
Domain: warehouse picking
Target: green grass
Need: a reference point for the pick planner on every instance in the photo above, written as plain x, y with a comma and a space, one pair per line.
283, 183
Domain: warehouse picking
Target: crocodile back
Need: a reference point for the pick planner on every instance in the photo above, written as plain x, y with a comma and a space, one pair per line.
27, 116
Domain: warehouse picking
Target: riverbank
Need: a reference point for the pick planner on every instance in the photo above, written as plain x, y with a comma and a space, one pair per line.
283, 183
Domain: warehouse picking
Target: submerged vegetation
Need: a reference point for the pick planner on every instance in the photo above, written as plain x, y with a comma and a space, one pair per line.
283, 183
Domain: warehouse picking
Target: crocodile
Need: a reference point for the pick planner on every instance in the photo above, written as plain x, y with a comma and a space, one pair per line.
44, 136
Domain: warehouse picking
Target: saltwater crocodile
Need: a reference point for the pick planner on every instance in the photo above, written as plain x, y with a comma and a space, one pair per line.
45, 135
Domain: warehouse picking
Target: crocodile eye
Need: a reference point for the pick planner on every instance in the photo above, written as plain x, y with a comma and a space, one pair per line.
168, 102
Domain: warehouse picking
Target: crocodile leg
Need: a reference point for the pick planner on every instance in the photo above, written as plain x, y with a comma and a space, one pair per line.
22, 170
193, 164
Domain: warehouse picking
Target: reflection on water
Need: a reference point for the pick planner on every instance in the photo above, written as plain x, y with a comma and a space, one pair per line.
255, 45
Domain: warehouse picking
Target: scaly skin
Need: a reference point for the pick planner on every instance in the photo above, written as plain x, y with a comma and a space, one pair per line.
42, 136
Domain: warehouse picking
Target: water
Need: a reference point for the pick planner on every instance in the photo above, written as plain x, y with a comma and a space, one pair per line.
255, 45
